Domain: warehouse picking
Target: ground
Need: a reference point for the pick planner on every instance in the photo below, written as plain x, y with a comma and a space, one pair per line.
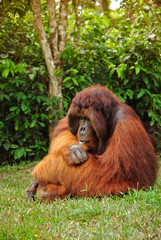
133, 216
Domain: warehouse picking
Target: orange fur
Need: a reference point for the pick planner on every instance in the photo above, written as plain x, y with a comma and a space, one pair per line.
128, 161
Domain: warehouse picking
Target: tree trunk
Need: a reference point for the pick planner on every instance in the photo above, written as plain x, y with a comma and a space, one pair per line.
104, 6
54, 44
76, 4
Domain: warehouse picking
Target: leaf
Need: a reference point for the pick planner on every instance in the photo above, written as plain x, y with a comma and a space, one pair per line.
17, 111
156, 84
6, 145
126, 81
21, 141
111, 72
12, 72
14, 146
13, 108
38, 99
137, 70
41, 87
75, 81
66, 79
26, 123
10, 116
32, 124
146, 80
141, 93
120, 70
20, 96
17, 124
130, 93
58, 72
65, 103
6, 97
1, 125
24, 107
19, 153
138, 67
32, 76
152, 122
41, 124
5, 73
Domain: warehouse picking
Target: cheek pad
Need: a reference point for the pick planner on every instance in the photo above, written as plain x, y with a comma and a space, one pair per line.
98, 122
95, 116
73, 119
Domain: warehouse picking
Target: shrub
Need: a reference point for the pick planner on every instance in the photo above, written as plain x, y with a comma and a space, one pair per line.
123, 55
24, 106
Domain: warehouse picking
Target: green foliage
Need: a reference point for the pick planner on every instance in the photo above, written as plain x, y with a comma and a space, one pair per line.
18, 38
73, 82
121, 51
24, 107
124, 57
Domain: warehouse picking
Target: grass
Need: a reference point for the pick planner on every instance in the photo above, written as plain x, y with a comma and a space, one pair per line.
133, 216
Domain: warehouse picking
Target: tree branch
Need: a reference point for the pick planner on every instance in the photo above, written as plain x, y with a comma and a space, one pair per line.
76, 3
63, 17
53, 28
36, 8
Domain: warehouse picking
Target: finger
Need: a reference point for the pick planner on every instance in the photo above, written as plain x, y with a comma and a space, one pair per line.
84, 156
75, 158
30, 196
79, 153
75, 147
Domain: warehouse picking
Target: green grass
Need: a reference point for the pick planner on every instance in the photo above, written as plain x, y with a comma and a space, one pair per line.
133, 216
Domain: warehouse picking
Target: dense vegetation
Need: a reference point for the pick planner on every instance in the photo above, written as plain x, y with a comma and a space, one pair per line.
120, 50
